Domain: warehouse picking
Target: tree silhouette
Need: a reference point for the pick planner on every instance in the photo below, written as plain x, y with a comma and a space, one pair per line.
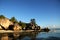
2, 16
22, 24
33, 22
13, 19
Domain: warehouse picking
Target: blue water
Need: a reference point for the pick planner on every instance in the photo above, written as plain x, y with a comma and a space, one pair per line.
53, 34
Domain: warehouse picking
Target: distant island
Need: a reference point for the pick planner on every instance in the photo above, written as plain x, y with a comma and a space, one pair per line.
13, 25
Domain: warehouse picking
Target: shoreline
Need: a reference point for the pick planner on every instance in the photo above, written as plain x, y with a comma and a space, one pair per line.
11, 31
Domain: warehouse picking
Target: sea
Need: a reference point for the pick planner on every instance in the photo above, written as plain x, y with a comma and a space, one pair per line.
53, 34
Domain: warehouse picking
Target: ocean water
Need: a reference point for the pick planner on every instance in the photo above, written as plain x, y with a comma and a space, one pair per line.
54, 34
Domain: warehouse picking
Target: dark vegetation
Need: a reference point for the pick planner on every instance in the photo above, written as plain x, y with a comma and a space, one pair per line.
2, 16
32, 25
45, 29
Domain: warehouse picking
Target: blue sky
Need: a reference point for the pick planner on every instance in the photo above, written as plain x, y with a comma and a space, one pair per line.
46, 12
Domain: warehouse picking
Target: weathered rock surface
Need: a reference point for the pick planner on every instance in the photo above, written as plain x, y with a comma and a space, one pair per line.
17, 27
5, 23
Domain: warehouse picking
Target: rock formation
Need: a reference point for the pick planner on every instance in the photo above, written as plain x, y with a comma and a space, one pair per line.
5, 23
17, 27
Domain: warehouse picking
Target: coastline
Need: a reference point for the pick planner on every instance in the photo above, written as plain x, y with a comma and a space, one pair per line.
11, 31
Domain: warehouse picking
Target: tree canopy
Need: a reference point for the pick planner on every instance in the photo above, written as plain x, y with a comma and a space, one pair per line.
2, 16
33, 22
22, 24
13, 19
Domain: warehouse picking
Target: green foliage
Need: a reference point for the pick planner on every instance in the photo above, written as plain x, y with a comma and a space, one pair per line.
22, 24
33, 22
2, 16
13, 19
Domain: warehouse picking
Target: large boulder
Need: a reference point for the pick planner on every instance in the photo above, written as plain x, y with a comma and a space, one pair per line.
5, 22
17, 27
0, 28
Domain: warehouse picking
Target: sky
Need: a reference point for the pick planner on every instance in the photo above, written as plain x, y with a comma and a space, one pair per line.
45, 12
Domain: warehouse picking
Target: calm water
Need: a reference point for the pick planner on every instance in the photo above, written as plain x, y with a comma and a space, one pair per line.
51, 35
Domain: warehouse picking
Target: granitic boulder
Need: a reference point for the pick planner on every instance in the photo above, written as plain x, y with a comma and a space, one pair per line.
5, 23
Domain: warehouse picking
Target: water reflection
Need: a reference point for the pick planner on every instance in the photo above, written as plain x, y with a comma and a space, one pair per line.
30, 36
18, 36
4, 37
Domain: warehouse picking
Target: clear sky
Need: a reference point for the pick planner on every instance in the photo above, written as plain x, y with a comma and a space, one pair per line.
46, 12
